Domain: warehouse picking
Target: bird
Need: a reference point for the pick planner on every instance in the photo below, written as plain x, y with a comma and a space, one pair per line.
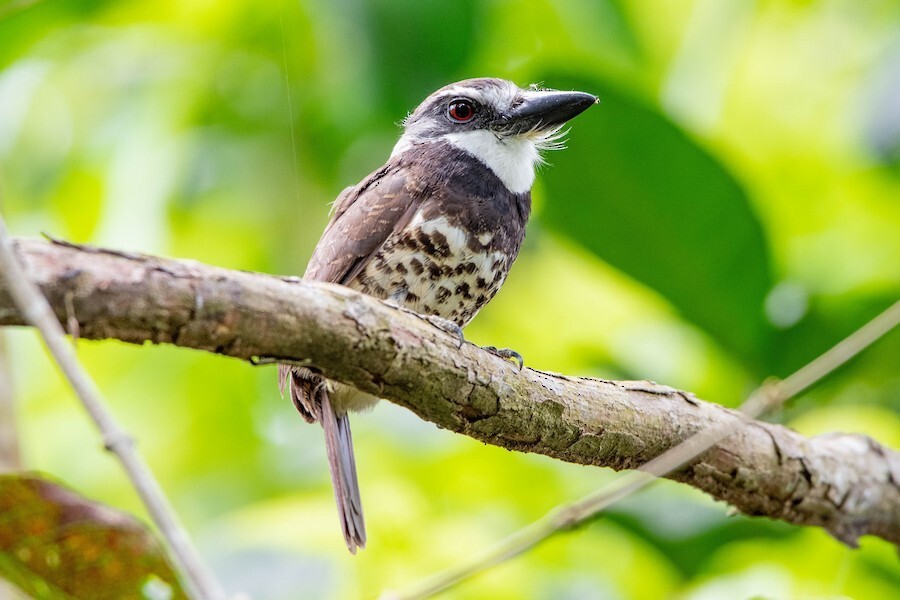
434, 230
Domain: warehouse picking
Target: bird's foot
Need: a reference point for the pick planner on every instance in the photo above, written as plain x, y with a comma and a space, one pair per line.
447, 326
506, 354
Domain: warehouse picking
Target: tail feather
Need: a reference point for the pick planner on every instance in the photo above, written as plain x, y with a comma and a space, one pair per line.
309, 393
339, 446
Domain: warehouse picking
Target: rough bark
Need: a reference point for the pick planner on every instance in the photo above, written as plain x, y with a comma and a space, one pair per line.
846, 483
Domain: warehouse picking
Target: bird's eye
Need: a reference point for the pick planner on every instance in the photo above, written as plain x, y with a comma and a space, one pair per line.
461, 111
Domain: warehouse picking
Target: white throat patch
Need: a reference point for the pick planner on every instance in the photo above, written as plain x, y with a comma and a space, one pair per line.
512, 159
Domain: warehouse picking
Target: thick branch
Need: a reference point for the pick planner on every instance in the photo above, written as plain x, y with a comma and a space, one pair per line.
846, 483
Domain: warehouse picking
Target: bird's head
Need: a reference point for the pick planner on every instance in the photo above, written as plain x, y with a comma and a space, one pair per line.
495, 121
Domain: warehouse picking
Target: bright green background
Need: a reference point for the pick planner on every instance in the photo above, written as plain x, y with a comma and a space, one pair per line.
730, 210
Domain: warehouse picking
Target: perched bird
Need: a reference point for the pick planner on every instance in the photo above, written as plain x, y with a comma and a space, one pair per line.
434, 230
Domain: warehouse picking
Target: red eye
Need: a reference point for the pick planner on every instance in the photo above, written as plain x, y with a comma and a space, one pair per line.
461, 111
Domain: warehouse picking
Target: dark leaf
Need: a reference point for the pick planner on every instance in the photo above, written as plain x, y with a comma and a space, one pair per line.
417, 49
638, 192
56, 544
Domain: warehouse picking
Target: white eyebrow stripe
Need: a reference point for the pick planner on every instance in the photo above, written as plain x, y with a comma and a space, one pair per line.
465, 92
490, 96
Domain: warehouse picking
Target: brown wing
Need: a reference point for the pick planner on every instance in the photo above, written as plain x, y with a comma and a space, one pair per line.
364, 217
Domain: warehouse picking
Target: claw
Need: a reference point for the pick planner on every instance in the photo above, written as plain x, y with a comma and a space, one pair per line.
447, 326
506, 354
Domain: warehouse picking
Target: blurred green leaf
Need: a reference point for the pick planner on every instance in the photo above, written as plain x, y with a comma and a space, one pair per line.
688, 529
56, 544
638, 192
407, 63
828, 320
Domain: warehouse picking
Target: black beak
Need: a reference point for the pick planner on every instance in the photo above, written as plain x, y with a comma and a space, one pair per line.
546, 109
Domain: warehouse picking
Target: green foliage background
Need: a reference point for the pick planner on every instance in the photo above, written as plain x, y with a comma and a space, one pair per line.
730, 210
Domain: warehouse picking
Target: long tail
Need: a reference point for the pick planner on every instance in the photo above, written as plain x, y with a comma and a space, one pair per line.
339, 445
309, 394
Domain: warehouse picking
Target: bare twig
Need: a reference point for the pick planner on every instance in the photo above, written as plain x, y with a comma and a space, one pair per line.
196, 578
769, 396
10, 459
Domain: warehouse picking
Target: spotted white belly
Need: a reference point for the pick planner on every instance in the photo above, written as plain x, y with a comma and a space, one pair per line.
433, 267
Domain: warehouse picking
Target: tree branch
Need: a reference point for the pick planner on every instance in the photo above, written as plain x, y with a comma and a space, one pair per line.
846, 483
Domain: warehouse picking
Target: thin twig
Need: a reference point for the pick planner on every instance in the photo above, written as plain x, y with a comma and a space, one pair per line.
196, 577
772, 394
10, 457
